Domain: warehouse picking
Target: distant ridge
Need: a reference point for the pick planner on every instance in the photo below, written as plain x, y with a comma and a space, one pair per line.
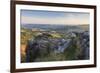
54, 27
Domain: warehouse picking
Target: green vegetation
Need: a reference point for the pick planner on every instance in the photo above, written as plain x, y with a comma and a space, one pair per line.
70, 53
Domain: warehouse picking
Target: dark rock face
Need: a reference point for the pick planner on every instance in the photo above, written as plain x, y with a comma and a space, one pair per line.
44, 44
84, 45
31, 52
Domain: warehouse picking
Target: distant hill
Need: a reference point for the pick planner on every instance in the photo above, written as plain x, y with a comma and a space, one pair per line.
56, 27
85, 27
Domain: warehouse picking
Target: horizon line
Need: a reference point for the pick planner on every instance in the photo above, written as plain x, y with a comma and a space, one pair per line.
53, 24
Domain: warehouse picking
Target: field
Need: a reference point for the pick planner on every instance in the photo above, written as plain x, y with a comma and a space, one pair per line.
44, 42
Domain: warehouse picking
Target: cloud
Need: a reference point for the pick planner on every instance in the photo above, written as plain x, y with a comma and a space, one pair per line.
71, 19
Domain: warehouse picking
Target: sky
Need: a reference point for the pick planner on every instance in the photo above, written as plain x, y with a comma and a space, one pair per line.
53, 17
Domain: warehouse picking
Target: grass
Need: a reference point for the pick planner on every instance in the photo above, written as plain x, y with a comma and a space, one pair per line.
70, 54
